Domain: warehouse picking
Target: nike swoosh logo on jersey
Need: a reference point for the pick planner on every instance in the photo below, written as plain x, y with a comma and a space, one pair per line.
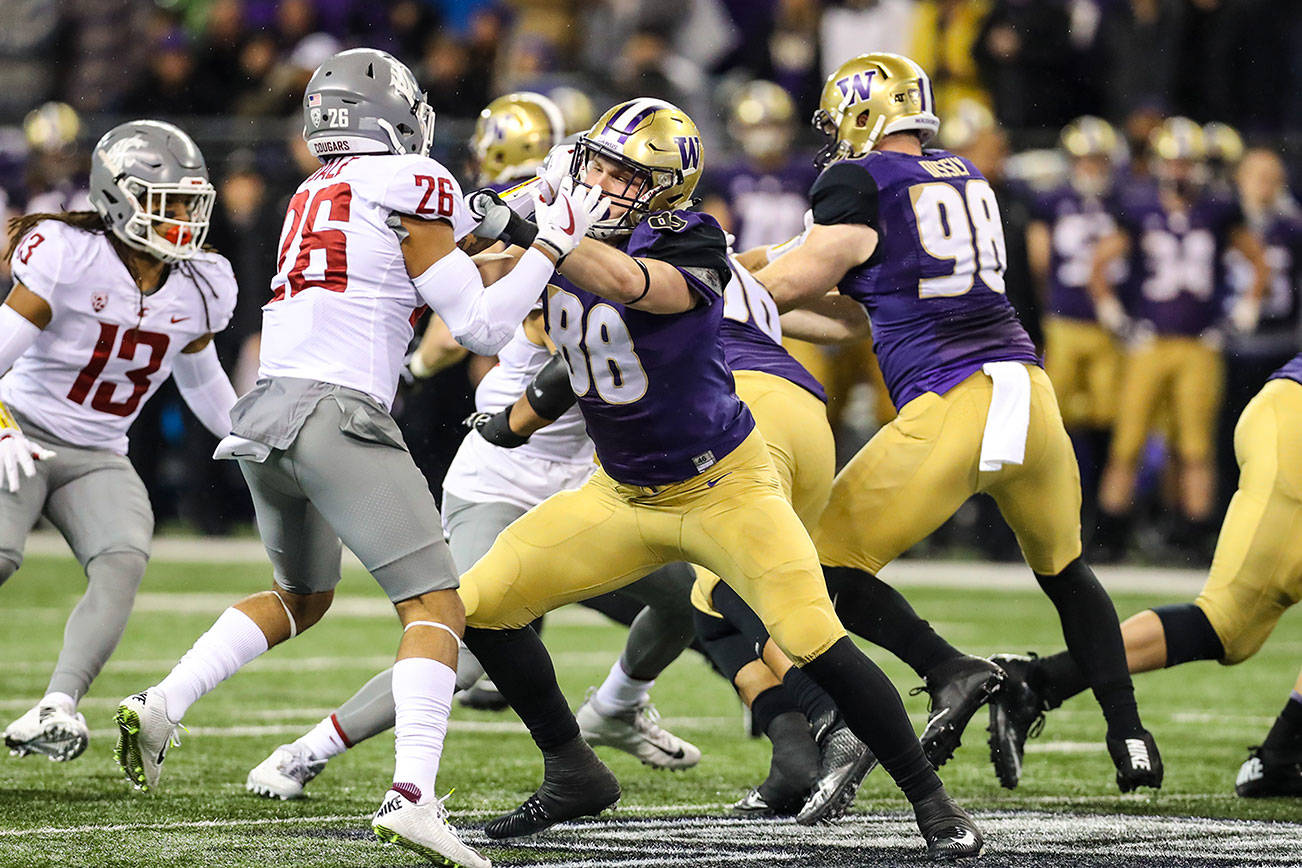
177, 319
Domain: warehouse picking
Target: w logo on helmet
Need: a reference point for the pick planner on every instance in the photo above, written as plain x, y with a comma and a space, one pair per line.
689, 148
860, 83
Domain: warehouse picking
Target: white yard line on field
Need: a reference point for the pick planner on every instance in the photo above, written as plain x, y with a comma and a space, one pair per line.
906, 573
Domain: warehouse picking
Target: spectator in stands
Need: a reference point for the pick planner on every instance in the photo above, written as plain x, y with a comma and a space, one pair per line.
218, 56
1027, 60
851, 27
1141, 43
168, 86
945, 34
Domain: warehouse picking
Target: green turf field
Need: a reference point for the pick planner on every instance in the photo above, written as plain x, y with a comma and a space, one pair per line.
84, 813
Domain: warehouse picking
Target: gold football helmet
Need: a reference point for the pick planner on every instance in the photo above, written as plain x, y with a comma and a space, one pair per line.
1088, 136
1178, 139
576, 108
661, 146
762, 119
52, 126
1224, 144
965, 125
513, 135
871, 96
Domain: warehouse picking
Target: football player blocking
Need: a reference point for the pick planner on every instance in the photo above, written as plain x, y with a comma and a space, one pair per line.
106, 305
323, 459
976, 411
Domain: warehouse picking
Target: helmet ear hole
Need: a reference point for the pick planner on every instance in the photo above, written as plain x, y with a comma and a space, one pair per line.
862, 120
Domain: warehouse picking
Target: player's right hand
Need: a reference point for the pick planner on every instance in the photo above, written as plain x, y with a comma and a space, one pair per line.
563, 223
18, 456
554, 170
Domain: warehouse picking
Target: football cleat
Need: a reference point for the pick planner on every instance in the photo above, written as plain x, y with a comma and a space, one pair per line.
1268, 773
424, 829
1137, 760
144, 735
48, 730
483, 695
775, 797
948, 830
1016, 714
957, 689
584, 788
285, 773
844, 761
636, 731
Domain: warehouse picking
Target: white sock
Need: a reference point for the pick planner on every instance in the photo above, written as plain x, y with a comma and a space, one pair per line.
619, 692
422, 701
232, 641
324, 740
60, 700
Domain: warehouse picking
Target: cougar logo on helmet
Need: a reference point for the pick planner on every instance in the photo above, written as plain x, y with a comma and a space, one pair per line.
121, 154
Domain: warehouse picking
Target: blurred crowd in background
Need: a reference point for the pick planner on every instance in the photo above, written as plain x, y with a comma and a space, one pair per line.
1008, 75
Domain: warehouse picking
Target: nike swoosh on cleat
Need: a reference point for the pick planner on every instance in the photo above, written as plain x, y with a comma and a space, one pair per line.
678, 754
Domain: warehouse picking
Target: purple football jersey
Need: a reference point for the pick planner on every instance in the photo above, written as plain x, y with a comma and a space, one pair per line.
1076, 223
752, 335
934, 287
1178, 277
1292, 370
655, 390
1281, 236
767, 207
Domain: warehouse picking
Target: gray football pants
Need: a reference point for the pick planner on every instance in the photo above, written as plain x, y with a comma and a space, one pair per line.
99, 505
660, 633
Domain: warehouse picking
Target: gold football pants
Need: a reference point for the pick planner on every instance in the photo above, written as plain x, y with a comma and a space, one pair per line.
733, 520
1182, 376
1257, 571
1084, 365
794, 425
920, 468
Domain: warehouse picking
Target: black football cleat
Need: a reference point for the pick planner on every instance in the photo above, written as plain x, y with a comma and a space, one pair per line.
1269, 772
575, 784
957, 688
483, 695
1137, 760
843, 762
776, 797
948, 830
1016, 714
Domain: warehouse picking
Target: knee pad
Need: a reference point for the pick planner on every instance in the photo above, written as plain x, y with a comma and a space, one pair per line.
123, 570
1189, 635
727, 648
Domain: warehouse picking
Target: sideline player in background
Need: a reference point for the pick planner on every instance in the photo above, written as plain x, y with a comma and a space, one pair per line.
1256, 575
323, 458
1176, 237
915, 237
105, 306
684, 476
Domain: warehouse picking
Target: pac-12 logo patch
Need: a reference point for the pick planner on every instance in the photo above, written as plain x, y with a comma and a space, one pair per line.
98, 301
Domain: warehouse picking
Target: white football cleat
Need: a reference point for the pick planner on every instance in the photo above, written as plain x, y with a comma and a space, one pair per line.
638, 732
144, 734
424, 829
285, 773
48, 730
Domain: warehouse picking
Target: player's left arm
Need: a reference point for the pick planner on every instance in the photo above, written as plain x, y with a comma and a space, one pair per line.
545, 400
639, 282
844, 205
832, 319
204, 385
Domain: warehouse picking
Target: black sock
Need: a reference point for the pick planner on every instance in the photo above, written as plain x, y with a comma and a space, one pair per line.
1057, 678
795, 755
870, 608
769, 704
519, 665
1093, 634
873, 709
1286, 732
812, 699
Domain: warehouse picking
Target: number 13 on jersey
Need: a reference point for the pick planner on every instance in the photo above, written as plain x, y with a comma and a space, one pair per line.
598, 349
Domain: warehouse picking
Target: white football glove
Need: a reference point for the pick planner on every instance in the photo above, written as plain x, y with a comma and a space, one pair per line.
1245, 314
563, 223
554, 170
17, 453
1113, 317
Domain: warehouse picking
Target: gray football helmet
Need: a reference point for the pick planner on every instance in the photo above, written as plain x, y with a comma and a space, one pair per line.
364, 101
149, 183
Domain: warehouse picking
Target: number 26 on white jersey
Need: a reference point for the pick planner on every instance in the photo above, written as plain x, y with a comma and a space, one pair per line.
598, 349
963, 228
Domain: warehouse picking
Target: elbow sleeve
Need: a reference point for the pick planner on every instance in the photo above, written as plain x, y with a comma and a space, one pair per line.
550, 393
206, 389
17, 333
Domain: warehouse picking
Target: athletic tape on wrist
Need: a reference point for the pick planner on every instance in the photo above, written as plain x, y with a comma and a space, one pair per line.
411, 624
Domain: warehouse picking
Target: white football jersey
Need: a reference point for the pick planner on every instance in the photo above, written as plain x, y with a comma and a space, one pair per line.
343, 305
108, 346
558, 457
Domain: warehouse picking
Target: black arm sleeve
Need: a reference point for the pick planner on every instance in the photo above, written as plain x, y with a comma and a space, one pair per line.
845, 193
550, 394
692, 243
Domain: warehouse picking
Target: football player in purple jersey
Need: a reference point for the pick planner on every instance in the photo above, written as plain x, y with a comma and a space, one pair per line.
915, 236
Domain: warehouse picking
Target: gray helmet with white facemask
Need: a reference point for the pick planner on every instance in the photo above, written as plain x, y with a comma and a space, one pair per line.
364, 101
149, 183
